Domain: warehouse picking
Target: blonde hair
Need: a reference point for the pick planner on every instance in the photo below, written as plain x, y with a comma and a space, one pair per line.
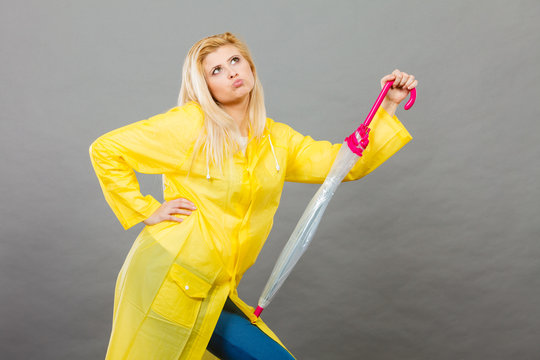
220, 136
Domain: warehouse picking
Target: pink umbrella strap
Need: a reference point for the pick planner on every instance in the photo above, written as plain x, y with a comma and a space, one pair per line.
358, 140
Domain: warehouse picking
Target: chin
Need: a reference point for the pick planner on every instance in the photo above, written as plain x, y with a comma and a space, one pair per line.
240, 97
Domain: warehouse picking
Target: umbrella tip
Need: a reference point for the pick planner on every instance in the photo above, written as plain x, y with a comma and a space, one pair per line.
258, 311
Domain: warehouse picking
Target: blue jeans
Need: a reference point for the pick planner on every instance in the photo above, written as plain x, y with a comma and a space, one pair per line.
236, 338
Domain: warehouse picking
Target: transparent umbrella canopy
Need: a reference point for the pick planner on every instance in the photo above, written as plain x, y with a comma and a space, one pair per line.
308, 223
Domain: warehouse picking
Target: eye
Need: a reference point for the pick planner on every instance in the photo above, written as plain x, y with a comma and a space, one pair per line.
216, 70
235, 59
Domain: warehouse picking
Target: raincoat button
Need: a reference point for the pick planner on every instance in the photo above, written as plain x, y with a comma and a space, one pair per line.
186, 287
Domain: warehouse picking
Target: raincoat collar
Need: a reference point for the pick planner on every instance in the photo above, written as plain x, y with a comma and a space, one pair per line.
249, 152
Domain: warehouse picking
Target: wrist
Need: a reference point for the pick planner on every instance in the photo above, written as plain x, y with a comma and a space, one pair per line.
389, 106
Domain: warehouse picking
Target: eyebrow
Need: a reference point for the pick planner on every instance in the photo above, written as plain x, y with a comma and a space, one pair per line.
215, 66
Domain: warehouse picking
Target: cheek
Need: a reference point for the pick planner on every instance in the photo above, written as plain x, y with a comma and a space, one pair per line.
216, 87
249, 71
250, 74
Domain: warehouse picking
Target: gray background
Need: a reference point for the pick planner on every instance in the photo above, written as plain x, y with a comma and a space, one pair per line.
436, 255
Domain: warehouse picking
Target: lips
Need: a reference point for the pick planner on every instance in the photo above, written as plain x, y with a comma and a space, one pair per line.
238, 83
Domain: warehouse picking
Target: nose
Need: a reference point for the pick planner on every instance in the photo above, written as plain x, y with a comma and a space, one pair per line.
232, 73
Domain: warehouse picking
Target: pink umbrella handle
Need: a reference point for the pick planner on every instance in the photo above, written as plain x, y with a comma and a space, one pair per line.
412, 99
380, 99
360, 136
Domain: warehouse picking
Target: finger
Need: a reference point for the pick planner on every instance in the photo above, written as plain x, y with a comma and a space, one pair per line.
409, 81
398, 80
186, 204
189, 205
386, 79
183, 203
180, 211
404, 78
174, 218
178, 201
413, 85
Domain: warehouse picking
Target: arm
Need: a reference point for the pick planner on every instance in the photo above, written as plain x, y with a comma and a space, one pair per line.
153, 146
310, 161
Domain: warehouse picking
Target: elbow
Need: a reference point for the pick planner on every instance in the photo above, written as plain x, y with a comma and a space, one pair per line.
94, 148
91, 149
97, 149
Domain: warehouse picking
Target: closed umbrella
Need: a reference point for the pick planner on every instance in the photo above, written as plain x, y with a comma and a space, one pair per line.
308, 223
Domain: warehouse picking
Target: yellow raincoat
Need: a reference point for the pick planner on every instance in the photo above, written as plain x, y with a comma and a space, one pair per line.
177, 276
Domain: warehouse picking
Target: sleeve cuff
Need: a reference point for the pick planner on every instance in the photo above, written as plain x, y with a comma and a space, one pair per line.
143, 214
395, 124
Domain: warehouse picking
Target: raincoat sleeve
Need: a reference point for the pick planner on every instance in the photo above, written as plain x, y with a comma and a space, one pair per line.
310, 161
157, 145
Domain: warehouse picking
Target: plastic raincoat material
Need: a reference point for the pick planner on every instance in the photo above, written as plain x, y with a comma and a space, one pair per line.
177, 276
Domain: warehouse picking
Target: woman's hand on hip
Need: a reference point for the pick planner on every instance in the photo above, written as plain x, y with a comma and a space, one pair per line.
167, 210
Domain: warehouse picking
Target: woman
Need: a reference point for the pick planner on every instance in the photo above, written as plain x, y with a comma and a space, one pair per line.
223, 164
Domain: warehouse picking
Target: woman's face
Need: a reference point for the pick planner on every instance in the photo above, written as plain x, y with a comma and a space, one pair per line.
228, 75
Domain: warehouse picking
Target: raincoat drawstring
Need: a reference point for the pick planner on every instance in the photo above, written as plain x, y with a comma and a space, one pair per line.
274, 153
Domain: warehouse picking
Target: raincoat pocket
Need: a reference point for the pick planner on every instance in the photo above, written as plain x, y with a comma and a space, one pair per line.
179, 298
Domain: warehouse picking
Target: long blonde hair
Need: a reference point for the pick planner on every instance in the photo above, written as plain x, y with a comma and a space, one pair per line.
220, 136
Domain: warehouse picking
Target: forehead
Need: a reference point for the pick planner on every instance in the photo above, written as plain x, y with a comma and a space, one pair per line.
220, 55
